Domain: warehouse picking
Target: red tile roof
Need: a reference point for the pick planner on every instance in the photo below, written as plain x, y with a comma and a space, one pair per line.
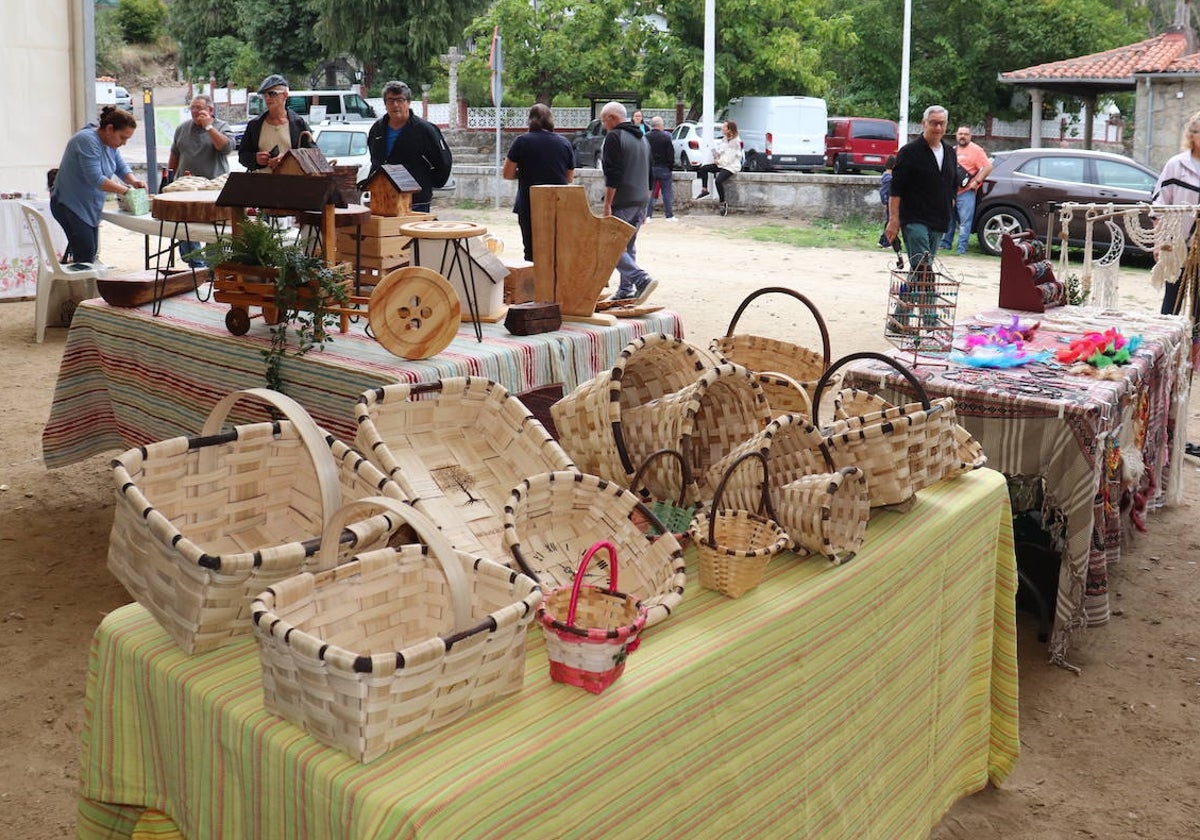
1154, 55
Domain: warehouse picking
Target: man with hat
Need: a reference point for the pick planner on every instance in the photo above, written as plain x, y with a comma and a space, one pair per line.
275, 131
401, 137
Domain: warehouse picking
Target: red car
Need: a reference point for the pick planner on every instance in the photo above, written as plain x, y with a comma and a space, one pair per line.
853, 144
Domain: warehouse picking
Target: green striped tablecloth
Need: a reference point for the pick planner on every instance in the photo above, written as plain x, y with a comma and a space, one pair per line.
856, 701
128, 378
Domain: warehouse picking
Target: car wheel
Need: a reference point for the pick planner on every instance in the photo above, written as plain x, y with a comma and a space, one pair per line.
839, 165
684, 163
754, 162
995, 223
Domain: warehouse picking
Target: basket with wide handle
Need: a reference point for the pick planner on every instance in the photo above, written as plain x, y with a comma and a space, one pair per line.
787, 372
396, 642
675, 516
590, 630
734, 546
201, 524
900, 448
826, 513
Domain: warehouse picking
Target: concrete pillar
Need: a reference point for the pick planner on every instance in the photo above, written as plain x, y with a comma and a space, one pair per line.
1089, 117
1035, 118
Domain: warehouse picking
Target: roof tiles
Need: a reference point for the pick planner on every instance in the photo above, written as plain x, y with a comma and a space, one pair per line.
1162, 53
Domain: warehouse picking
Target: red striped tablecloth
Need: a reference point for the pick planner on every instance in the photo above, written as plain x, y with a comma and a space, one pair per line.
129, 378
856, 701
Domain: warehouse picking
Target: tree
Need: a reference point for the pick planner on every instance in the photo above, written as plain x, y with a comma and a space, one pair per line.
193, 23
141, 20
282, 33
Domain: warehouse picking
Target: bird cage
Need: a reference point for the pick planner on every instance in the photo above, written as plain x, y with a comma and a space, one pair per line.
922, 300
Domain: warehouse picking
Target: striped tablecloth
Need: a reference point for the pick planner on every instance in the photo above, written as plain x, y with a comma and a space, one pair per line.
1073, 432
856, 701
128, 377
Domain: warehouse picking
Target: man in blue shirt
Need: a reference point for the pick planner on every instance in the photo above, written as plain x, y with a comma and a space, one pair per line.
401, 137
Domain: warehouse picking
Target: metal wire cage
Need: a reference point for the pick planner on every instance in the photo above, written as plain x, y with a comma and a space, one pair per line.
922, 301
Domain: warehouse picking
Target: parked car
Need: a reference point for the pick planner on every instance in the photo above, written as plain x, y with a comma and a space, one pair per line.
341, 106
345, 145
780, 132
692, 148
853, 144
587, 145
124, 99
1023, 185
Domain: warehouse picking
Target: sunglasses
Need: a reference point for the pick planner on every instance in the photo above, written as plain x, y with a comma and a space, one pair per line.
274, 93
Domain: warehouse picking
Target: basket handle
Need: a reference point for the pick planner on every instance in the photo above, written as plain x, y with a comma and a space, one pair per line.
917, 387
310, 434
637, 476
578, 584
783, 290
439, 547
791, 382
765, 508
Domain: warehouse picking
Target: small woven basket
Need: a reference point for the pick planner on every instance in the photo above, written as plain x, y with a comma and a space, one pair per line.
787, 372
202, 524
827, 513
552, 518
735, 546
394, 643
588, 647
457, 448
675, 516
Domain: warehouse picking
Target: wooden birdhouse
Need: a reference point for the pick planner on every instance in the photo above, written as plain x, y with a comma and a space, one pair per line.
304, 162
391, 189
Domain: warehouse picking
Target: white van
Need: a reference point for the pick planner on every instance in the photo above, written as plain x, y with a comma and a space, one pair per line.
780, 132
339, 105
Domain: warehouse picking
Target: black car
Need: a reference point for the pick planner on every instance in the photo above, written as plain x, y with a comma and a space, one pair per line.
587, 145
1026, 184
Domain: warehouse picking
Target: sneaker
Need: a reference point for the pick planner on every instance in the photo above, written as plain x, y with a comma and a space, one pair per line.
671, 219
962, 253
640, 286
623, 294
703, 193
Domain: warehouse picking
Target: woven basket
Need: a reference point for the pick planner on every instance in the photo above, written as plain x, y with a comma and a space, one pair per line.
900, 448
458, 454
734, 546
204, 523
589, 419
590, 631
827, 513
394, 643
553, 518
795, 449
674, 515
788, 372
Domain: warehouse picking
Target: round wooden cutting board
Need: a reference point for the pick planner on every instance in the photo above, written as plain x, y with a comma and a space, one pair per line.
414, 312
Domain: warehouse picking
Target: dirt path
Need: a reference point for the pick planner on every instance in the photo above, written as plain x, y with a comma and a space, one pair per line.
1108, 754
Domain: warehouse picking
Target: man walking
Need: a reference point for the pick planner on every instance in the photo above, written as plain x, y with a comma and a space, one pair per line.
974, 168
923, 186
625, 159
662, 153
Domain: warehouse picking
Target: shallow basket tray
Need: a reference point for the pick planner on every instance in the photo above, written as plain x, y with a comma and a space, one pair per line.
202, 524
553, 518
457, 448
394, 643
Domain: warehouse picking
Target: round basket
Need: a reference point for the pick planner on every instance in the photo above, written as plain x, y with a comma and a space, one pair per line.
590, 631
553, 518
827, 514
734, 546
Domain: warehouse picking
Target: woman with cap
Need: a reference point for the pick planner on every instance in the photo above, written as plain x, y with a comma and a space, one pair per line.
275, 131
91, 166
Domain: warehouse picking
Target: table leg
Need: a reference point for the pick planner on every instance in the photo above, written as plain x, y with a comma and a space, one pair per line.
468, 281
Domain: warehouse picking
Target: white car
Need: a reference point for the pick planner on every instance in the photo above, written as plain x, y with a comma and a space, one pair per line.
345, 145
692, 148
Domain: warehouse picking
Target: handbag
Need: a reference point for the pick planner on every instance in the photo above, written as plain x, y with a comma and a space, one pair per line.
962, 175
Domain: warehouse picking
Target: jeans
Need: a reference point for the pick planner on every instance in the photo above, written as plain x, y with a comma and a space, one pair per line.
83, 240
633, 277
964, 209
921, 242
662, 177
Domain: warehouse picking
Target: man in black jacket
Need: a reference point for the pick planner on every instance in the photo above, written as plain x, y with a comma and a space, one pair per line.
662, 156
923, 188
404, 138
625, 159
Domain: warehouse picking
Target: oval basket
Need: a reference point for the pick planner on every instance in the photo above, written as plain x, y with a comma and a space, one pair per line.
827, 513
553, 518
202, 524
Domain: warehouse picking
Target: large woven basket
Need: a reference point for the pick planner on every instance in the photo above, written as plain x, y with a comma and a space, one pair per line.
734, 546
394, 643
787, 372
204, 523
827, 513
589, 419
795, 449
900, 448
553, 518
590, 630
457, 448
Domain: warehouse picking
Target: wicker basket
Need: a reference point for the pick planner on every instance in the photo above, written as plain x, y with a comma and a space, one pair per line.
553, 518
590, 420
675, 516
827, 513
900, 448
395, 643
457, 454
204, 523
788, 373
590, 631
734, 546
795, 449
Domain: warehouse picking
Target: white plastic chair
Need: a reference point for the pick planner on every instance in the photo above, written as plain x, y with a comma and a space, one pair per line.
51, 271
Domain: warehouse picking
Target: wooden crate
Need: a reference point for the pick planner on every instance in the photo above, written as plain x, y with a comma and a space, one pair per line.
390, 225
383, 247
519, 283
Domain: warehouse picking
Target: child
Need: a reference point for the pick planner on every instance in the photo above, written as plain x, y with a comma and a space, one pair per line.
885, 191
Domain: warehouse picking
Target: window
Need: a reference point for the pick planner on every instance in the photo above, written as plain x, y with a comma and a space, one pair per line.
1057, 168
1111, 173
334, 143
872, 130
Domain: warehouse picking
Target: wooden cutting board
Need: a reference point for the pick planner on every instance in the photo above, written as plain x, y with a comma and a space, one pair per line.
135, 288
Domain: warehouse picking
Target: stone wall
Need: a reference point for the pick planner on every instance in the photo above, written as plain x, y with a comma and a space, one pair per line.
833, 197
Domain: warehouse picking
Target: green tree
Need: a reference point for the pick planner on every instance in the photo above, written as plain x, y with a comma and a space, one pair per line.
194, 23
108, 43
282, 34
554, 47
141, 20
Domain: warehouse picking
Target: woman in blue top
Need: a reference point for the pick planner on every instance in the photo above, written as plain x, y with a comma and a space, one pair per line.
92, 166
535, 159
